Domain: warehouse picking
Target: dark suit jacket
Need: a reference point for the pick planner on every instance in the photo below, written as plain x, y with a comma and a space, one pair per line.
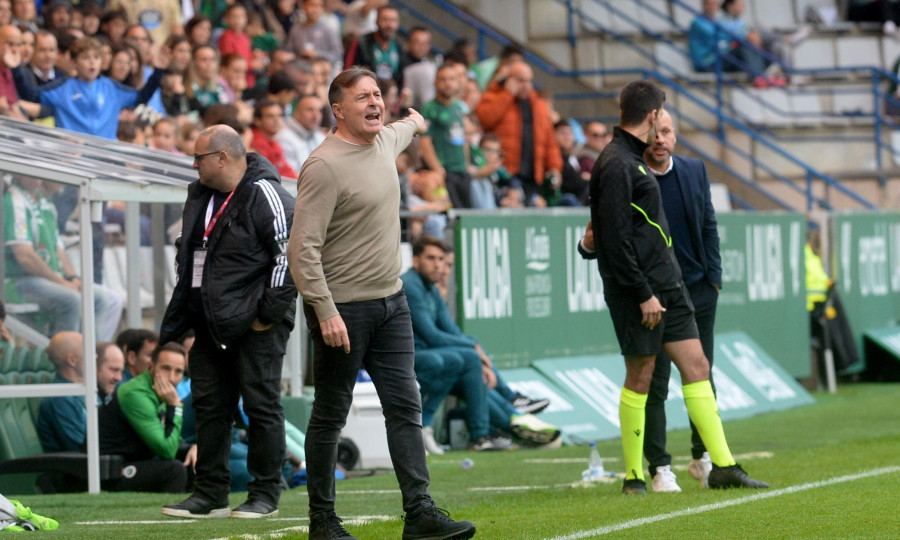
691, 176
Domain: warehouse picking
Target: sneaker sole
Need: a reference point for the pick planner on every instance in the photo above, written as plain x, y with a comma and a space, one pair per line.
252, 515
213, 514
459, 535
533, 409
535, 436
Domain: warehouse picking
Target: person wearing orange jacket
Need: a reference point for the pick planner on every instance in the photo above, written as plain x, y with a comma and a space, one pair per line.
511, 109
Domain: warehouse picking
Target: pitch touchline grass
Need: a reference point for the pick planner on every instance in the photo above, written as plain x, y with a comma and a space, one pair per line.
725, 504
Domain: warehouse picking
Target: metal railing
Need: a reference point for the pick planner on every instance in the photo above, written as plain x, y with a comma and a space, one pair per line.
723, 112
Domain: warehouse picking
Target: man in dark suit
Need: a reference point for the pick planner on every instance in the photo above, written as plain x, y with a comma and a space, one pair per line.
684, 188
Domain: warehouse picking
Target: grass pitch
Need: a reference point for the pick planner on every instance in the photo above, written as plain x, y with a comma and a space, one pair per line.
834, 468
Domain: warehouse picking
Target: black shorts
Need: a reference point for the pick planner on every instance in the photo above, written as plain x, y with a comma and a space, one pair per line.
677, 322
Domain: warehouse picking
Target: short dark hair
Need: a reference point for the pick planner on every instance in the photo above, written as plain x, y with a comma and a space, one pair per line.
279, 82
637, 99
262, 105
511, 50
424, 241
171, 346
346, 79
133, 339
102, 347
109, 16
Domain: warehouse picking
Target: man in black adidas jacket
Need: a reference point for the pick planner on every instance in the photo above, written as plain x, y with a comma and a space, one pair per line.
235, 291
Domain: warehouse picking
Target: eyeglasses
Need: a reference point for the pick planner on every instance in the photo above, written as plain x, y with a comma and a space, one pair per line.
199, 157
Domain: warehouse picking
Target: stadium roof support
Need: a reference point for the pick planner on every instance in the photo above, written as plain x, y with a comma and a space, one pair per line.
102, 170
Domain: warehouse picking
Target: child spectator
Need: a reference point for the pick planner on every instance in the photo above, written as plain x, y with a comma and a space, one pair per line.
174, 99
189, 133
486, 167
165, 135
235, 39
88, 103
198, 30
90, 17
113, 24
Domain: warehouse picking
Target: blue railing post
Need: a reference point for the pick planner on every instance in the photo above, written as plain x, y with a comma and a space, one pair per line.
570, 23
482, 45
809, 193
720, 100
879, 124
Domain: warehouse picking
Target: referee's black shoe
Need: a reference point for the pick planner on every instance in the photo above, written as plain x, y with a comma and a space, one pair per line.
634, 486
732, 476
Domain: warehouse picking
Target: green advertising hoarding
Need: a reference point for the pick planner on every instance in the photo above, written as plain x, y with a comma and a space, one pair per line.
866, 269
525, 293
584, 390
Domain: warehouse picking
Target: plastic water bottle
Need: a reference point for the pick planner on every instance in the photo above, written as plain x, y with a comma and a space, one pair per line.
595, 470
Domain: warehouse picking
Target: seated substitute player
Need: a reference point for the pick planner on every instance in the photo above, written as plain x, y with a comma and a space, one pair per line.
649, 305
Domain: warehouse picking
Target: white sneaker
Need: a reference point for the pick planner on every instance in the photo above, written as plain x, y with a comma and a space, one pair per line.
699, 469
532, 429
664, 481
431, 445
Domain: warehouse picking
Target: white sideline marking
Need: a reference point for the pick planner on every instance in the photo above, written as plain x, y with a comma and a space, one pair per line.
613, 459
725, 504
142, 522
280, 533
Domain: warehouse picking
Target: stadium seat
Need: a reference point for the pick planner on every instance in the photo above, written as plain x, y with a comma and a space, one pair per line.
858, 51
656, 17
771, 14
814, 53
672, 61
6, 357
20, 359
42, 361
21, 454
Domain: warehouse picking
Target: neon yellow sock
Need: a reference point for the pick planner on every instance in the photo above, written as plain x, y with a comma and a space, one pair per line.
701, 405
631, 421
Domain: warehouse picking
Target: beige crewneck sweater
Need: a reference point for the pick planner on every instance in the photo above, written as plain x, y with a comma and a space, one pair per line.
345, 240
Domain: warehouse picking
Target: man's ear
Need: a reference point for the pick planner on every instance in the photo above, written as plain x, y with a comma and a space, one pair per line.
336, 109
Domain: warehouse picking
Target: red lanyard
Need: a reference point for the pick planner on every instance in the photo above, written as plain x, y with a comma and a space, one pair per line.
212, 222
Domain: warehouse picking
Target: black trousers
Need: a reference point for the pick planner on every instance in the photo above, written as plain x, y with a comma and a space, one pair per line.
381, 340
219, 378
704, 297
459, 186
154, 475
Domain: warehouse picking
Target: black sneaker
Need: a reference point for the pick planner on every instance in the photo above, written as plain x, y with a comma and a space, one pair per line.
732, 477
327, 526
197, 508
634, 486
526, 405
255, 508
429, 522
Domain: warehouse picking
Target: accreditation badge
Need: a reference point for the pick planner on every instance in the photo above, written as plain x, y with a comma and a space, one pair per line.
197, 274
